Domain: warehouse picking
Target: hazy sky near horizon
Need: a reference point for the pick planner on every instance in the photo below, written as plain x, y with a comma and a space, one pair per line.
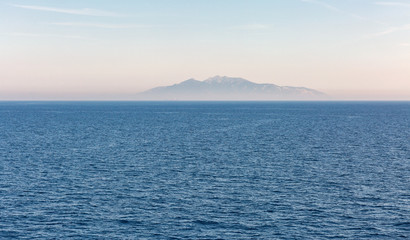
110, 49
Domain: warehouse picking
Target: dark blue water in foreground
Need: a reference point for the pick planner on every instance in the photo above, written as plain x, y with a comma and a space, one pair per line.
188, 170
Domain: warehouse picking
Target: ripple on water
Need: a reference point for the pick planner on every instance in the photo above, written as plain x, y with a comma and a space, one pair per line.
204, 171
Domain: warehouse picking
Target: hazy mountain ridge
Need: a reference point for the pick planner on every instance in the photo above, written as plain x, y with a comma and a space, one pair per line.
228, 88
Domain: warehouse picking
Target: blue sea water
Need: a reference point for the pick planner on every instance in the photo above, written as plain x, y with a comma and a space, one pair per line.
205, 170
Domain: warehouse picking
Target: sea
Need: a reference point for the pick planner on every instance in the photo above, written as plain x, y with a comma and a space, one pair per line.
204, 170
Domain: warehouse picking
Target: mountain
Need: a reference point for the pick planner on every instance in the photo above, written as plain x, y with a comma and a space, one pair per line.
228, 88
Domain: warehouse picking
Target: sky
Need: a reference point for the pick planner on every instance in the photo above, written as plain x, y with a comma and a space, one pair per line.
110, 49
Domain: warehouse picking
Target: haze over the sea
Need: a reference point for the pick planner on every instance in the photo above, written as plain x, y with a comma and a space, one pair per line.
111, 50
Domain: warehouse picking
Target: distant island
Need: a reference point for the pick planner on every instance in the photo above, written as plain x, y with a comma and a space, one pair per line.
228, 88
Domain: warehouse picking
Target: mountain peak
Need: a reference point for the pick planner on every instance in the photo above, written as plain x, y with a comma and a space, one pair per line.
189, 81
224, 79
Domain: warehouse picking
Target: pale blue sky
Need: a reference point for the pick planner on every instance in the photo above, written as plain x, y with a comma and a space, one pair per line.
101, 49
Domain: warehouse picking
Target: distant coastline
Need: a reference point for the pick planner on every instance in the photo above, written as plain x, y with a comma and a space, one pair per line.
223, 88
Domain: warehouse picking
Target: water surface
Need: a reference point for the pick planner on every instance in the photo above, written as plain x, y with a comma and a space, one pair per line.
205, 170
